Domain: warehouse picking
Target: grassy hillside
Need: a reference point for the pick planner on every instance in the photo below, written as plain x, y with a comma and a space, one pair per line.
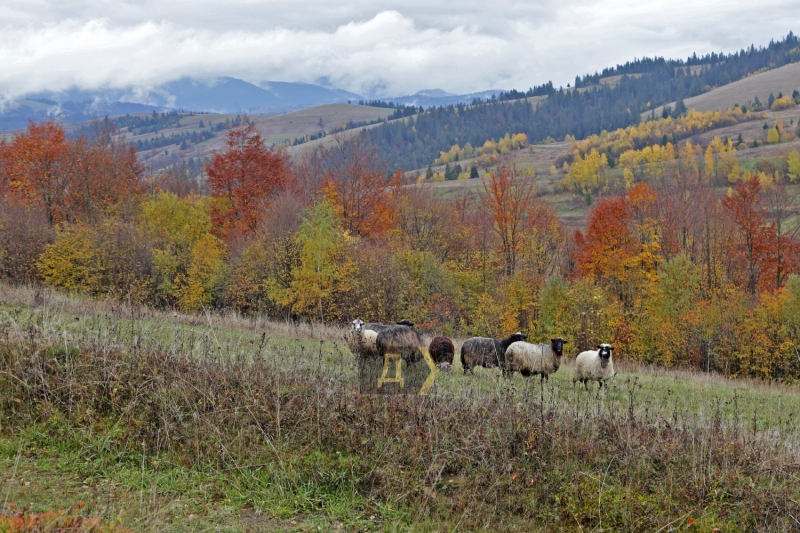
275, 129
213, 423
784, 79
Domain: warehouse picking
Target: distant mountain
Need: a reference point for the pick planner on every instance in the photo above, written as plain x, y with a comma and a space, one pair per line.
438, 97
220, 95
307, 95
15, 114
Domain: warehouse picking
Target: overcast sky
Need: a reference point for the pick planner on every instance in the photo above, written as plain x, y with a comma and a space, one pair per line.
372, 47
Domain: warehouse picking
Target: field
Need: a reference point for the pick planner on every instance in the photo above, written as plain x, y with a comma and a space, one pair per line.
784, 79
168, 422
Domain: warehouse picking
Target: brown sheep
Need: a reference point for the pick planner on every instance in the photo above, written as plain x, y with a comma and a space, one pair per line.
443, 352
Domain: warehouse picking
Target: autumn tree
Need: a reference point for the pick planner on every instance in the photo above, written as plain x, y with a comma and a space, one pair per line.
603, 252
785, 254
507, 198
355, 182
242, 179
754, 238
322, 271
35, 168
71, 180
188, 258
621, 246
422, 223
104, 170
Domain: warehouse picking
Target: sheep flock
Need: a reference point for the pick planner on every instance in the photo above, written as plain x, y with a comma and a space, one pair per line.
512, 354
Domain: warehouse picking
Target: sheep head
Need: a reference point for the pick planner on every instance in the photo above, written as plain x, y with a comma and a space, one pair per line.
557, 346
604, 351
518, 336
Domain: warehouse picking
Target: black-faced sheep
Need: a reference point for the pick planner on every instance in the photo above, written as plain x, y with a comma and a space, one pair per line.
401, 339
362, 338
594, 365
531, 359
485, 352
443, 352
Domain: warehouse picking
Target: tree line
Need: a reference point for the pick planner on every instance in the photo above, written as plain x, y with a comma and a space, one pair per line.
668, 269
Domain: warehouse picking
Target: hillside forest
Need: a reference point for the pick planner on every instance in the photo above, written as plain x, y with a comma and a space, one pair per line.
690, 257
588, 108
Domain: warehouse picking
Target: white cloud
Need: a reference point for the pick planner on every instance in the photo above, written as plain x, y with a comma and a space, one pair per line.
373, 48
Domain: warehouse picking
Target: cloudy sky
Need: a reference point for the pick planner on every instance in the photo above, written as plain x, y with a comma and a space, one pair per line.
372, 47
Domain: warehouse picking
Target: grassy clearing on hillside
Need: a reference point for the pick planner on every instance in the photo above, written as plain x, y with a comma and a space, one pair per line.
783, 79
197, 424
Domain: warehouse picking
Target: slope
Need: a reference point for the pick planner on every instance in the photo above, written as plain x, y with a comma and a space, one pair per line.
276, 129
784, 79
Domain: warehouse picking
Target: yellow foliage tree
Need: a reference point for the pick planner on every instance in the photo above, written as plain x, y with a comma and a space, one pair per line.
773, 136
588, 174
187, 257
793, 162
324, 268
70, 263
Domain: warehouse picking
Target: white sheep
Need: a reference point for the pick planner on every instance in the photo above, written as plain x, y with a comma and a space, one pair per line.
363, 337
594, 365
531, 359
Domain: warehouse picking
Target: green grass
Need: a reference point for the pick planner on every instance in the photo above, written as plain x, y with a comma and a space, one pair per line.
181, 423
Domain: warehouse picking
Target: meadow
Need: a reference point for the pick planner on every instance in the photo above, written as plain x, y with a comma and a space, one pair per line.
159, 421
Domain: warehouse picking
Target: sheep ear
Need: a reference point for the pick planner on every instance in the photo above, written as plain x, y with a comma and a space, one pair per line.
598, 346
610, 347
565, 342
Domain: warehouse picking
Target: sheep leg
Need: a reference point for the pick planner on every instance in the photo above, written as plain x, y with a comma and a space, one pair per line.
586, 385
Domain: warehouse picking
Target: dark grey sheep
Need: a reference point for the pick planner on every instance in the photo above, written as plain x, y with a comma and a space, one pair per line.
404, 340
485, 352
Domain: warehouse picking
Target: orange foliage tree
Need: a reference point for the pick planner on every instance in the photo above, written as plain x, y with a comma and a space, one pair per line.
243, 178
70, 180
604, 250
508, 199
35, 168
354, 181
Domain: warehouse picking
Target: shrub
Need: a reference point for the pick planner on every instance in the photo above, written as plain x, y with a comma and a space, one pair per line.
783, 103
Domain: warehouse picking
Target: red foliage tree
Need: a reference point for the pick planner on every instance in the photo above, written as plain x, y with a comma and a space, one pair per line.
766, 255
244, 177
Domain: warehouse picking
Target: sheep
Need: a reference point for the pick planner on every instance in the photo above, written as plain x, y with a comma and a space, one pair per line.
594, 365
442, 351
401, 339
531, 359
363, 336
485, 352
